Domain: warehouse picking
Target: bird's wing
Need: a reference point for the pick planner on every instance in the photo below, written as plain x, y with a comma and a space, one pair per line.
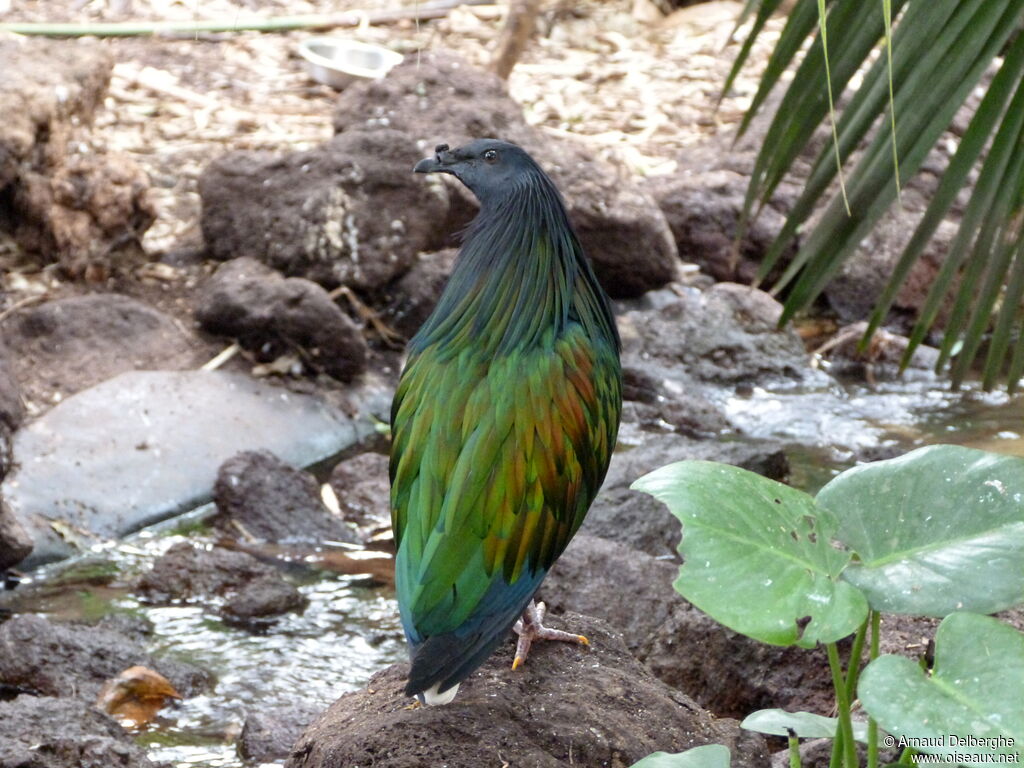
494, 464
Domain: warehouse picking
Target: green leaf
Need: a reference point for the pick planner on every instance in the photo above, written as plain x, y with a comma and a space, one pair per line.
757, 554
975, 690
938, 530
806, 725
708, 756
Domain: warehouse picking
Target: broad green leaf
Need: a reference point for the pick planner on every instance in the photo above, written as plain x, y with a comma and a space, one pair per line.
806, 725
757, 554
938, 530
708, 756
974, 691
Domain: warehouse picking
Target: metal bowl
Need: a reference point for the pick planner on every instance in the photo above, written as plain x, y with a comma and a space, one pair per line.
338, 62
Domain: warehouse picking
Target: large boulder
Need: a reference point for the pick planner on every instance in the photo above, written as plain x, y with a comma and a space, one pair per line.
67, 345
349, 212
72, 660
64, 200
441, 98
270, 315
15, 542
566, 706
146, 445
46, 732
263, 496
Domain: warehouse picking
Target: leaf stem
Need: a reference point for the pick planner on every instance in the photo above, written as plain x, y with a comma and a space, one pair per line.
843, 706
794, 749
876, 621
822, 19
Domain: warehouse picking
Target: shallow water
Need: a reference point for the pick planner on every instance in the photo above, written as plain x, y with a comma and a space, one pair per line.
350, 631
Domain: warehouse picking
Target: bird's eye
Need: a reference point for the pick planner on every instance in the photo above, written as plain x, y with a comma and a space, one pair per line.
491, 156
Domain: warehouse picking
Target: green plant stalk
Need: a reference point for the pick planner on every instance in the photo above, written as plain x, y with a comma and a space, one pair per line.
853, 665
794, 750
843, 707
887, 14
876, 621
907, 757
822, 18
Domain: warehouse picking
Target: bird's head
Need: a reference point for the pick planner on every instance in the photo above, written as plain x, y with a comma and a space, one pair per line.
489, 167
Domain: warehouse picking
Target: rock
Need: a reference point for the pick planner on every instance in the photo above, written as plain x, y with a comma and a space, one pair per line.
72, 660
45, 732
726, 335
853, 292
274, 502
636, 519
656, 404
12, 409
364, 491
566, 706
268, 734
630, 590
146, 446
703, 208
15, 543
65, 201
64, 346
349, 212
271, 315
411, 300
193, 573
881, 359
439, 97
261, 598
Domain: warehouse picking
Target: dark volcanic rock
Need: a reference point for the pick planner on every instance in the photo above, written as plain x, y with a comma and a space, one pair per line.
363, 490
72, 660
566, 706
268, 734
439, 97
703, 210
270, 314
44, 732
186, 572
63, 200
630, 590
273, 501
64, 346
349, 212
263, 597
726, 335
12, 409
15, 542
411, 300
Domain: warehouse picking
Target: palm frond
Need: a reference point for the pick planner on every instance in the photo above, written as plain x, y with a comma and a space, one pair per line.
934, 53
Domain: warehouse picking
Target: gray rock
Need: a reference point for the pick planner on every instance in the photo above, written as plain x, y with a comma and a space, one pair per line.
67, 345
438, 97
270, 315
44, 732
145, 446
193, 573
363, 490
268, 734
349, 212
72, 660
261, 599
15, 543
725, 335
566, 706
274, 502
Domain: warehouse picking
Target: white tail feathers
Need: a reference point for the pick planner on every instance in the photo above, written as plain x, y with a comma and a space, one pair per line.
434, 699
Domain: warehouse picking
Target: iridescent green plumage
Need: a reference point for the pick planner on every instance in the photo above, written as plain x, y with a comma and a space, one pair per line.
503, 423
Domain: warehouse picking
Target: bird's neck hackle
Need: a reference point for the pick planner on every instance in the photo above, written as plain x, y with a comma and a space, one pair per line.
519, 275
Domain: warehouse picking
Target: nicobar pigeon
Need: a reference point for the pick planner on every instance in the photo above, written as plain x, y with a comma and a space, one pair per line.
503, 423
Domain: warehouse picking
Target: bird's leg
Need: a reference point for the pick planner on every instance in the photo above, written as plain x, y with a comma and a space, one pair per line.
531, 627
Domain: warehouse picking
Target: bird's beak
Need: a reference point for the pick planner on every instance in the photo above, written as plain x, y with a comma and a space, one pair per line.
441, 162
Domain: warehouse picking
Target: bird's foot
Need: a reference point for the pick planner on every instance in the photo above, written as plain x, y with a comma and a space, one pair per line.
531, 627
